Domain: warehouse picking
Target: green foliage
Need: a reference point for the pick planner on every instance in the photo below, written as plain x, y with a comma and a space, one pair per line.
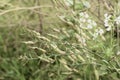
74, 44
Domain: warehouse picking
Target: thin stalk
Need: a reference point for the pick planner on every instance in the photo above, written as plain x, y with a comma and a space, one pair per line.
74, 3
40, 16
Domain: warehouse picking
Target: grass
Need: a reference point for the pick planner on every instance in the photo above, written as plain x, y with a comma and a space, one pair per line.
66, 49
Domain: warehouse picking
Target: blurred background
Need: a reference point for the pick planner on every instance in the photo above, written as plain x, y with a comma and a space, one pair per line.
45, 40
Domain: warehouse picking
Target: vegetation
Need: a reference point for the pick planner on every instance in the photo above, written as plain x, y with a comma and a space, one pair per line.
59, 40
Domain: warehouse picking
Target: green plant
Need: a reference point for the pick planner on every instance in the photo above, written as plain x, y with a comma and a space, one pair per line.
79, 45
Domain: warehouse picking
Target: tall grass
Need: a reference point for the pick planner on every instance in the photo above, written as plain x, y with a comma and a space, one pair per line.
77, 41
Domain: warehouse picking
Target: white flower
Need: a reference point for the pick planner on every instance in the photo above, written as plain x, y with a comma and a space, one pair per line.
97, 33
86, 21
82, 20
94, 23
108, 28
89, 26
107, 16
89, 21
101, 31
81, 14
86, 15
117, 20
107, 22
